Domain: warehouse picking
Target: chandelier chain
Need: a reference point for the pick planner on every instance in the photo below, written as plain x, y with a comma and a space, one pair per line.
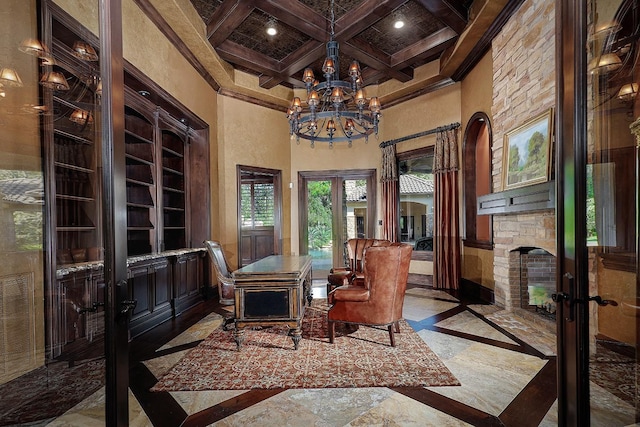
333, 19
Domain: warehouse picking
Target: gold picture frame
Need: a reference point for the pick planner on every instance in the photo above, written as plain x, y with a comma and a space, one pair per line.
527, 152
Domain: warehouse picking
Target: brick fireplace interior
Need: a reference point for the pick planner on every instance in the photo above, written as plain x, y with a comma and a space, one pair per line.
535, 270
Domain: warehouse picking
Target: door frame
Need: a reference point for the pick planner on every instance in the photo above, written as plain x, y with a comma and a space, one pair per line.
572, 280
115, 224
336, 177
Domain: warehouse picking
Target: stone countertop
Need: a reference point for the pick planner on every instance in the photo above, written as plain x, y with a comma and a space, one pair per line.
65, 270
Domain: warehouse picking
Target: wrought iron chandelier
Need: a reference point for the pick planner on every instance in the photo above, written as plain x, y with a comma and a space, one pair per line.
338, 110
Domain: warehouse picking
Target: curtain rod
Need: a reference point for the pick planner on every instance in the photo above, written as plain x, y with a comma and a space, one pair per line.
384, 144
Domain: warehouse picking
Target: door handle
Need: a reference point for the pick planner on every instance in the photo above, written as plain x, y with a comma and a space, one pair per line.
602, 302
92, 309
562, 297
128, 305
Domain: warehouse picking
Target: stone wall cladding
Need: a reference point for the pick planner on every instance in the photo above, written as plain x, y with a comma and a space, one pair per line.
523, 87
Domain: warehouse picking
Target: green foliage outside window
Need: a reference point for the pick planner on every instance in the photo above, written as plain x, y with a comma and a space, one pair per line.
320, 217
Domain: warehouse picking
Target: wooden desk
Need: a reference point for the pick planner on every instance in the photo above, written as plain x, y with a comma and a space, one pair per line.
272, 291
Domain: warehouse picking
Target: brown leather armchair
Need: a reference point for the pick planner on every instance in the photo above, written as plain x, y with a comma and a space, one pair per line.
226, 287
340, 276
379, 301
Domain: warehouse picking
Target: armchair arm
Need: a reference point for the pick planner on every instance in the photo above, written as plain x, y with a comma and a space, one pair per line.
350, 293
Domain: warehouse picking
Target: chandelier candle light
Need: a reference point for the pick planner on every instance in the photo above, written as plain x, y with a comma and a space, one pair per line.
337, 108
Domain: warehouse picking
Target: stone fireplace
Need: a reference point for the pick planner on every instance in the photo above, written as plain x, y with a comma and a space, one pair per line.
526, 233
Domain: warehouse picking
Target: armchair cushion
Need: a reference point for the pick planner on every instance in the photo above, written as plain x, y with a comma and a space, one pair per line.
350, 293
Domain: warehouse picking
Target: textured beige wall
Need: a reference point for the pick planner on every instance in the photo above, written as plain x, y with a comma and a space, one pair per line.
477, 266
477, 96
618, 323
249, 135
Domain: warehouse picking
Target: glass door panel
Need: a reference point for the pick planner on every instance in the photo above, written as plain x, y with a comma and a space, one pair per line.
335, 206
613, 51
320, 225
51, 282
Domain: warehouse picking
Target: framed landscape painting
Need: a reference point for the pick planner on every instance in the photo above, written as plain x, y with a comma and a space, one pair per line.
527, 152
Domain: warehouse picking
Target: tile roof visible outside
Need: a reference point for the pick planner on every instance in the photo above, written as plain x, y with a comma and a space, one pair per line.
409, 184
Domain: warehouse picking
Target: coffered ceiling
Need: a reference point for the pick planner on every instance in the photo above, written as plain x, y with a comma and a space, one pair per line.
236, 29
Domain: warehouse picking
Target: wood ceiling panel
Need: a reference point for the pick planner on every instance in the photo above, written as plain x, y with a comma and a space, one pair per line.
364, 29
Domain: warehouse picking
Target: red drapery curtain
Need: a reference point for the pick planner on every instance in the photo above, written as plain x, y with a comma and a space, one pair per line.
390, 196
447, 266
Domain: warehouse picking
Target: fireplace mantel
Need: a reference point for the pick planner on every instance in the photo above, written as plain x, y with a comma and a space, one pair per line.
517, 200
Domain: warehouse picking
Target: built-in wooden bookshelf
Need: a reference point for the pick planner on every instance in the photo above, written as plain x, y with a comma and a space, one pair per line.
164, 146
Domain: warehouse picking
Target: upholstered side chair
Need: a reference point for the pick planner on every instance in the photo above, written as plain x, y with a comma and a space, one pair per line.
226, 286
346, 275
379, 301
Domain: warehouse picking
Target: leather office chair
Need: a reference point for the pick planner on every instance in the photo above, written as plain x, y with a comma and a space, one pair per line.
379, 301
226, 287
340, 276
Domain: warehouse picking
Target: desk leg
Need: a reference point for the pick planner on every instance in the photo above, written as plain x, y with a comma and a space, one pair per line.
307, 288
238, 336
296, 336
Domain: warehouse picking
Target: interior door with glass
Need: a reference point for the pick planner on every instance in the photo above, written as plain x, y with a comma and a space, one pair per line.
598, 135
259, 210
335, 206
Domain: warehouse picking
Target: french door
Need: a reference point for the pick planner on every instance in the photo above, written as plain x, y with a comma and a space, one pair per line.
334, 206
598, 133
59, 143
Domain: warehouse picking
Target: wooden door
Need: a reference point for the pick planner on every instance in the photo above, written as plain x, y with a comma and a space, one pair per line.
259, 213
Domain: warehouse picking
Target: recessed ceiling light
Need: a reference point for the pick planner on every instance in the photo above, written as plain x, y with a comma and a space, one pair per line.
271, 27
398, 24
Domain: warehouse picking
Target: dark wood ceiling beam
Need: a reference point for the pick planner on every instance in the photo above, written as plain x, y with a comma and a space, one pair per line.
363, 16
296, 61
296, 15
372, 76
367, 54
269, 82
446, 12
426, 47
237, 54
226, 18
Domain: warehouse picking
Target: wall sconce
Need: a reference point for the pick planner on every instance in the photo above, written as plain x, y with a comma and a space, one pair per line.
605, 29
81, 117
606, 63
10, 78
628, 92
84, 51
33, 47
54, 80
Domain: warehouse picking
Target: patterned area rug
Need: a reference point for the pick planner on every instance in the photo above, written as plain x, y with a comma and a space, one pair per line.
359, 357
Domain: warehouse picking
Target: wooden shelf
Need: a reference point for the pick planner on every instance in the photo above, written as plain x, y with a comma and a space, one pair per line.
525, 199
75, 198
76, 138
73, 167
